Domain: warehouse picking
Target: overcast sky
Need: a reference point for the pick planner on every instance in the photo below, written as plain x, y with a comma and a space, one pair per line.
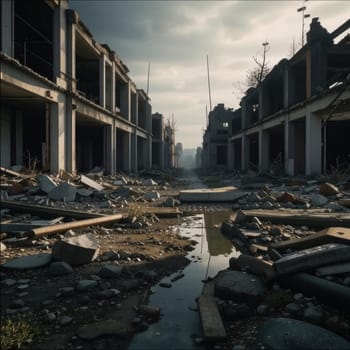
176, 36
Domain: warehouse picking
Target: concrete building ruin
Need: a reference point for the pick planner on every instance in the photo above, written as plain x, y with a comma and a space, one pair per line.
67, 102
297, 121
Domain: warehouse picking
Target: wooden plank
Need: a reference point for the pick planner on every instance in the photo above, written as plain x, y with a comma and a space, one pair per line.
296, 217
213, 328
48, 230
329, 235
46, 212
10, 172
22, 226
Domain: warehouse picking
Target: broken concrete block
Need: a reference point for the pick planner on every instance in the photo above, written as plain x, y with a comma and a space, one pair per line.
222, 194
83, 192
2, 247
152, 195
63, 191
83, 285
46, 183
91, 183
103, 328
171, 202
77, 250
240, 287
319, 200
58, 268
28, 262
328, 189
4, 195
149, 182
310, 258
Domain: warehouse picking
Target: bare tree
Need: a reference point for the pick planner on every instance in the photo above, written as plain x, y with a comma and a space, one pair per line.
255, 75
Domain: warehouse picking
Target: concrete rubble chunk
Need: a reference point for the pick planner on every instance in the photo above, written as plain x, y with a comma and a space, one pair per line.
318, 200
328, 189
91, 183
46, 183
63, 191
286, 197
76, 250
149, 182
310, 258
2, 247
152, 195
290, 334
83, 192
102, 328
58, 268
28, 262
240, 287
84, 285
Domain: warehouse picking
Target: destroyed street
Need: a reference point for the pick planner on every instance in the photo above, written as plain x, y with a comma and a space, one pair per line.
141, 262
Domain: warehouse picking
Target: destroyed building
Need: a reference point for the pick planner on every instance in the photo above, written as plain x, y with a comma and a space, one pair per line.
221, 123
67, 102
163, 143
297, 121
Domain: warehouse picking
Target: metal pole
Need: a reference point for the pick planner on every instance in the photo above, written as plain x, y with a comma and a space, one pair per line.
209, 83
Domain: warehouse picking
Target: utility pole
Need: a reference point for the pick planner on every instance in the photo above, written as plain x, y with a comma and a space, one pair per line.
209, 84
304, 15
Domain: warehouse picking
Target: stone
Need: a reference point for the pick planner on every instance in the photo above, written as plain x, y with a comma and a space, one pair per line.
275, 231
293, 308
290, 334
313, 314
76, 250
262, 309
110, 271
83, 192
8, 282
150, 311
328, 189
63, 191
150, 275
46, 183
102, 328
16, 304
58, 268
318, 200
286, 197
84, 285
28, 262
240, 287
65, 320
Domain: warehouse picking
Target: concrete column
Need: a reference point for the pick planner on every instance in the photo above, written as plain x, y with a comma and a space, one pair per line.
19, 137
5, 137
263, 150
134, 151
113, 88
59, 44
244, 113
102, 80
57, 134
262, 102
149, 148
245, 152
230, 155
7, 27
108, 148
127, 152
286, 88
70, 132
125, 103
70, 51
313, 160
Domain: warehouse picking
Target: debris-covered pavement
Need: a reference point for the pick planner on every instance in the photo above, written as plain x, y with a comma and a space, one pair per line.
80, 253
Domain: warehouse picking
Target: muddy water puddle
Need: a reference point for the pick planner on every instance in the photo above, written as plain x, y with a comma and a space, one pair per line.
180, 327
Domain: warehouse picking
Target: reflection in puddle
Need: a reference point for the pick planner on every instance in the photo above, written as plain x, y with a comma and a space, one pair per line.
180, 325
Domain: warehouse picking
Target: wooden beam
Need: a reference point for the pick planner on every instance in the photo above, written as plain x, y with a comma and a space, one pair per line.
48, 230
213, 328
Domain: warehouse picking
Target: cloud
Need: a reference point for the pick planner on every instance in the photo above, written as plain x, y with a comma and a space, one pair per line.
176, 36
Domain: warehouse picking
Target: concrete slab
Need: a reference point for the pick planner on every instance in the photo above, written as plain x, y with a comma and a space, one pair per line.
220, 194
63, 191
91, 183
